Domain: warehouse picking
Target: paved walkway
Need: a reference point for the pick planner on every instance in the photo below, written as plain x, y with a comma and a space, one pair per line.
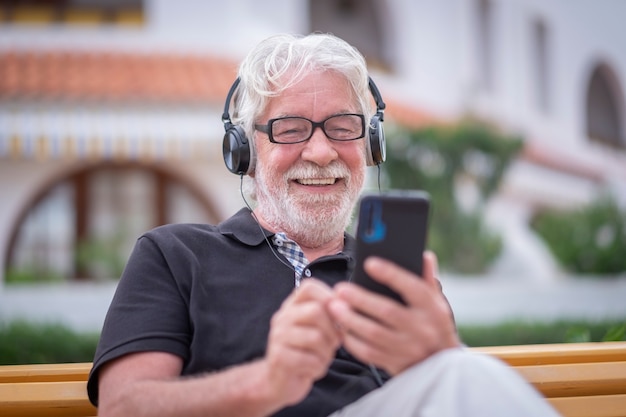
474, 300
492, 300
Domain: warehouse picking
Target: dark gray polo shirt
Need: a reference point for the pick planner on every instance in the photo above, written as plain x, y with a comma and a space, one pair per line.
207, 293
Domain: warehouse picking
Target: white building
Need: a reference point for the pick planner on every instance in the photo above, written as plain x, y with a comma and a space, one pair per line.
110, 110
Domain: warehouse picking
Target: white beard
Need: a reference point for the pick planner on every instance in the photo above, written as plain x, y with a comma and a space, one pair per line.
312, 219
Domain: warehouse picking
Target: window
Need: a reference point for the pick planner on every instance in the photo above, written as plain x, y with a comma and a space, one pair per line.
358, 22
541, 68
85, 226
604, 108
484, 44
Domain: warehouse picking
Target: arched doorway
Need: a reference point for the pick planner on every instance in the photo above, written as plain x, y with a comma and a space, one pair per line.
84, 225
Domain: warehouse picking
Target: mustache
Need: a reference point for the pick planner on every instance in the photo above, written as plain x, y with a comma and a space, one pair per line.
309, 170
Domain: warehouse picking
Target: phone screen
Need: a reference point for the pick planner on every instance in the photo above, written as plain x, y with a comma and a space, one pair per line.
392, 225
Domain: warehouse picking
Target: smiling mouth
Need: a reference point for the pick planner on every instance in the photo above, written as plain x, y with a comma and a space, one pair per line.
316, 181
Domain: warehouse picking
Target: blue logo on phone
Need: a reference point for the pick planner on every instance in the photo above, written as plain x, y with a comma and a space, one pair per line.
374, 229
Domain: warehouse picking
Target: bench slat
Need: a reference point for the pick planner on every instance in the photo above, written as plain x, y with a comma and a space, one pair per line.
45, 372
558, 353
68, 398
593, 406
567, 380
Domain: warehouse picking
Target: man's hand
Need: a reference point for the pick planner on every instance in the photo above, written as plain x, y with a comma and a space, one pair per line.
302, 341
383, 332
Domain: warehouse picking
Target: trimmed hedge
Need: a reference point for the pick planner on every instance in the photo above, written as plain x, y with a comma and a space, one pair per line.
525, 333
586, 240
22, 342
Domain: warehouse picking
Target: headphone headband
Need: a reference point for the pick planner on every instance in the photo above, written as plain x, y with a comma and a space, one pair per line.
229, 97
380, 104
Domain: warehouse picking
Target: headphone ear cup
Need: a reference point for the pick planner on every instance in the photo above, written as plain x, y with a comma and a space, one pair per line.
236, 150
377, 151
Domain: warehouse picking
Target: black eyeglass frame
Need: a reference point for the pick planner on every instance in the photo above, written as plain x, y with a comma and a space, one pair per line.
267, 128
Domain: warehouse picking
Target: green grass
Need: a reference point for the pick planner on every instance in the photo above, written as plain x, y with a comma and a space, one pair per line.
23, 343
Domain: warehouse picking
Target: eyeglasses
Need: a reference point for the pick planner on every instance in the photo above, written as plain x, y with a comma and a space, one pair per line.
341, 127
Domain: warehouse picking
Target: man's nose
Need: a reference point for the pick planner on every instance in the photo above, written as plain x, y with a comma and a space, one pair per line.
319, 149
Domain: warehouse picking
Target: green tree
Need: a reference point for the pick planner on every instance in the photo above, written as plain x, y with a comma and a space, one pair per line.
437, 159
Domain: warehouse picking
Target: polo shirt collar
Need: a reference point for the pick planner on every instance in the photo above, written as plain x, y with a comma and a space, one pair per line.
244, 228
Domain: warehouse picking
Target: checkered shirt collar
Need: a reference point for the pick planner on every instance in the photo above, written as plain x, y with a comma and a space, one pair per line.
292, 251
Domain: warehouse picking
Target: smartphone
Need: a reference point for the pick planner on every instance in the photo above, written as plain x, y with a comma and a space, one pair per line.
391, 225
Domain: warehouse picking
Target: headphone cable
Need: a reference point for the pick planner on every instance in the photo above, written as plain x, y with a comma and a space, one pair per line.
287, 264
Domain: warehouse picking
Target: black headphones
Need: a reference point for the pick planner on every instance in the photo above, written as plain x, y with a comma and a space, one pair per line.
238, 153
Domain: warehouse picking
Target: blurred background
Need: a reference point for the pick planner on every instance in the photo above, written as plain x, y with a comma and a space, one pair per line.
511, 113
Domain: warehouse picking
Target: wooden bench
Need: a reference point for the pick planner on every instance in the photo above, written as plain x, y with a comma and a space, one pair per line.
45, 390
579, 379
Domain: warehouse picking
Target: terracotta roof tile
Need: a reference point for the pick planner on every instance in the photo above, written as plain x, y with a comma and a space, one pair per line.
113, 76
126, 77
409, 116
542, 155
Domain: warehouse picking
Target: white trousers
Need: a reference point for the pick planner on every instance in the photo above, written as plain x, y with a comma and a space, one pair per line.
453, 383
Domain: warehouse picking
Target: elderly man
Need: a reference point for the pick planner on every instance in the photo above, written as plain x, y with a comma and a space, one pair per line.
255, 316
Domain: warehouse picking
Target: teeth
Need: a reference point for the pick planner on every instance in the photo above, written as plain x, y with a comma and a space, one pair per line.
317, 181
